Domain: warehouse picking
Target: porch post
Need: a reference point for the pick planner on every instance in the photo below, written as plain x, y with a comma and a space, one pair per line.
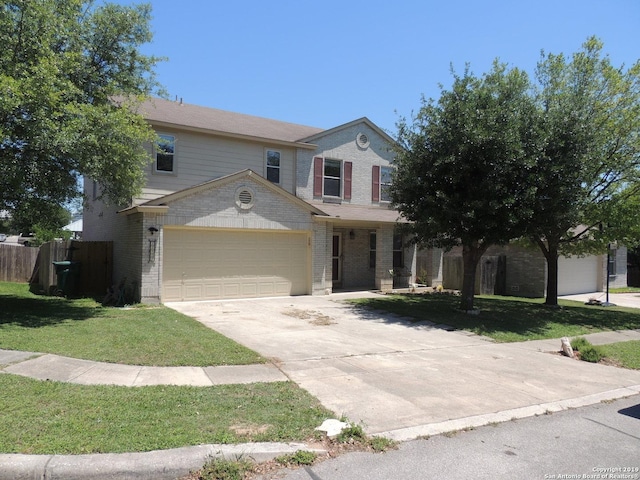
384, 258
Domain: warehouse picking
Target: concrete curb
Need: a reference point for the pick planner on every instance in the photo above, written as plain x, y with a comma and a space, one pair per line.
159, 464
174, 463
411, 433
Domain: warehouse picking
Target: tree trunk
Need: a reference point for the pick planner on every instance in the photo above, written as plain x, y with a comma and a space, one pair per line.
470, 257
552, 276
550, 252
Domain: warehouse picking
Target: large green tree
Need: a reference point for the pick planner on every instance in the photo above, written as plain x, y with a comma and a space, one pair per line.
71, 73
463, 165
587, 170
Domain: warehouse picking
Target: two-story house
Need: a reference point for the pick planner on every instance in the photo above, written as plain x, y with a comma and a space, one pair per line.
239, 206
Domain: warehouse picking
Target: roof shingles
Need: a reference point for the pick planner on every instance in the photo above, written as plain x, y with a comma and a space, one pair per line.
214, 120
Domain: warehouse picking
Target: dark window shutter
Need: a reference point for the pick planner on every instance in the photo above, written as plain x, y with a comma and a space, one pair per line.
348, 167
375, 184
317, 176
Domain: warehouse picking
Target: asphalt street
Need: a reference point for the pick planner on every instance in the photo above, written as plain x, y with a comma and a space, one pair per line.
600, 441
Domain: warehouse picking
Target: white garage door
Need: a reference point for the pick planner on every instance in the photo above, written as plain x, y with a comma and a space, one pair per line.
207, 265
577, 275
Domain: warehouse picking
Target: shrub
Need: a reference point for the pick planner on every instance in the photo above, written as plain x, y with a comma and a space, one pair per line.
580, 343
591, 353
588, 352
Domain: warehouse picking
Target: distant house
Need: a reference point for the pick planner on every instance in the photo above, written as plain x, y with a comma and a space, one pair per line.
238, 206
519, 271
75, 227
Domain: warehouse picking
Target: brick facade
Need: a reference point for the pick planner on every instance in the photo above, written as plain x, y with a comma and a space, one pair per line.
526, 270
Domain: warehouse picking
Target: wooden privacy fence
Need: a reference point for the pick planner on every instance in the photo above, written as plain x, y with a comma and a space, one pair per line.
34, 265
92, 266
17, 262
490, 274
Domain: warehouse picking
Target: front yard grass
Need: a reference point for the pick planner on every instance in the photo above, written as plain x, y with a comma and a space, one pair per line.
625, 354
56, 418
83, 328
625, 290
44, 417
508, 319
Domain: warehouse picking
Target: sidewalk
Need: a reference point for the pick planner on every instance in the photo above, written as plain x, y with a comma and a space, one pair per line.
85, 372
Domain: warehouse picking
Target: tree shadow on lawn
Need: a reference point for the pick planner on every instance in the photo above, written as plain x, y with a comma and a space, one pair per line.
502, 315
36, 312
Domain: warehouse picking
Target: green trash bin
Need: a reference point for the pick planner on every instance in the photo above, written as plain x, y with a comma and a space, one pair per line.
67, 274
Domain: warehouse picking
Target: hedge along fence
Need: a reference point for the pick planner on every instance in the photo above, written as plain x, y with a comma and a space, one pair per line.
34, 265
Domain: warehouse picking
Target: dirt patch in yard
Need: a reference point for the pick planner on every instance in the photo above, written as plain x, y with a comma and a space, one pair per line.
249, 430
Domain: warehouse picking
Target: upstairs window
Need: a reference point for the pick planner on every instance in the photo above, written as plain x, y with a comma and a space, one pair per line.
165, 153
273, 166
385, 183
380, 183
332, 178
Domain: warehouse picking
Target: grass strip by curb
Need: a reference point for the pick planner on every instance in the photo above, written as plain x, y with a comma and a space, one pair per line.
41, 417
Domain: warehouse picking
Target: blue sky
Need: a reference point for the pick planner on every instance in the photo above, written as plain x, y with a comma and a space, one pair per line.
326, 63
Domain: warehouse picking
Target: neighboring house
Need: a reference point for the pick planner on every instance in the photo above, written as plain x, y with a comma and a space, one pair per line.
240, 206
75, 227
520, 271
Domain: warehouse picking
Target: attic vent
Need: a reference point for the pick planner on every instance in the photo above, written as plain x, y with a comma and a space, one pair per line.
362, 140
245, 197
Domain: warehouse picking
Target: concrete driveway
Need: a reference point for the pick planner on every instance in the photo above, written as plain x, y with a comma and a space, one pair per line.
404, 380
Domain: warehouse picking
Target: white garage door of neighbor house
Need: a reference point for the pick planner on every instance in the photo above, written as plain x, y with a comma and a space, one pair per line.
206, 265
577, 275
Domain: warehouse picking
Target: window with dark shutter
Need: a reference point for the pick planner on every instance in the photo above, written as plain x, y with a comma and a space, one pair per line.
375, 184
348, 167
317, 176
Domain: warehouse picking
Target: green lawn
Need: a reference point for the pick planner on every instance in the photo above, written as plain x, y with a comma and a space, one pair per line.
43, 417
626, 354
625, 290
50, 417
84, 329
509, 319
56, 418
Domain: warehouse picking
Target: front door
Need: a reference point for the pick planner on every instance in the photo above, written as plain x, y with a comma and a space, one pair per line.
336, 259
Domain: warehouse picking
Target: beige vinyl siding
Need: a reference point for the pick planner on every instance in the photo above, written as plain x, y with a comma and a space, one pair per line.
200, 158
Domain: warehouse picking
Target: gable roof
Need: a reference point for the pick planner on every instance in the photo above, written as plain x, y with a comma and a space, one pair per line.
161, 204
364, 120
211, 120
